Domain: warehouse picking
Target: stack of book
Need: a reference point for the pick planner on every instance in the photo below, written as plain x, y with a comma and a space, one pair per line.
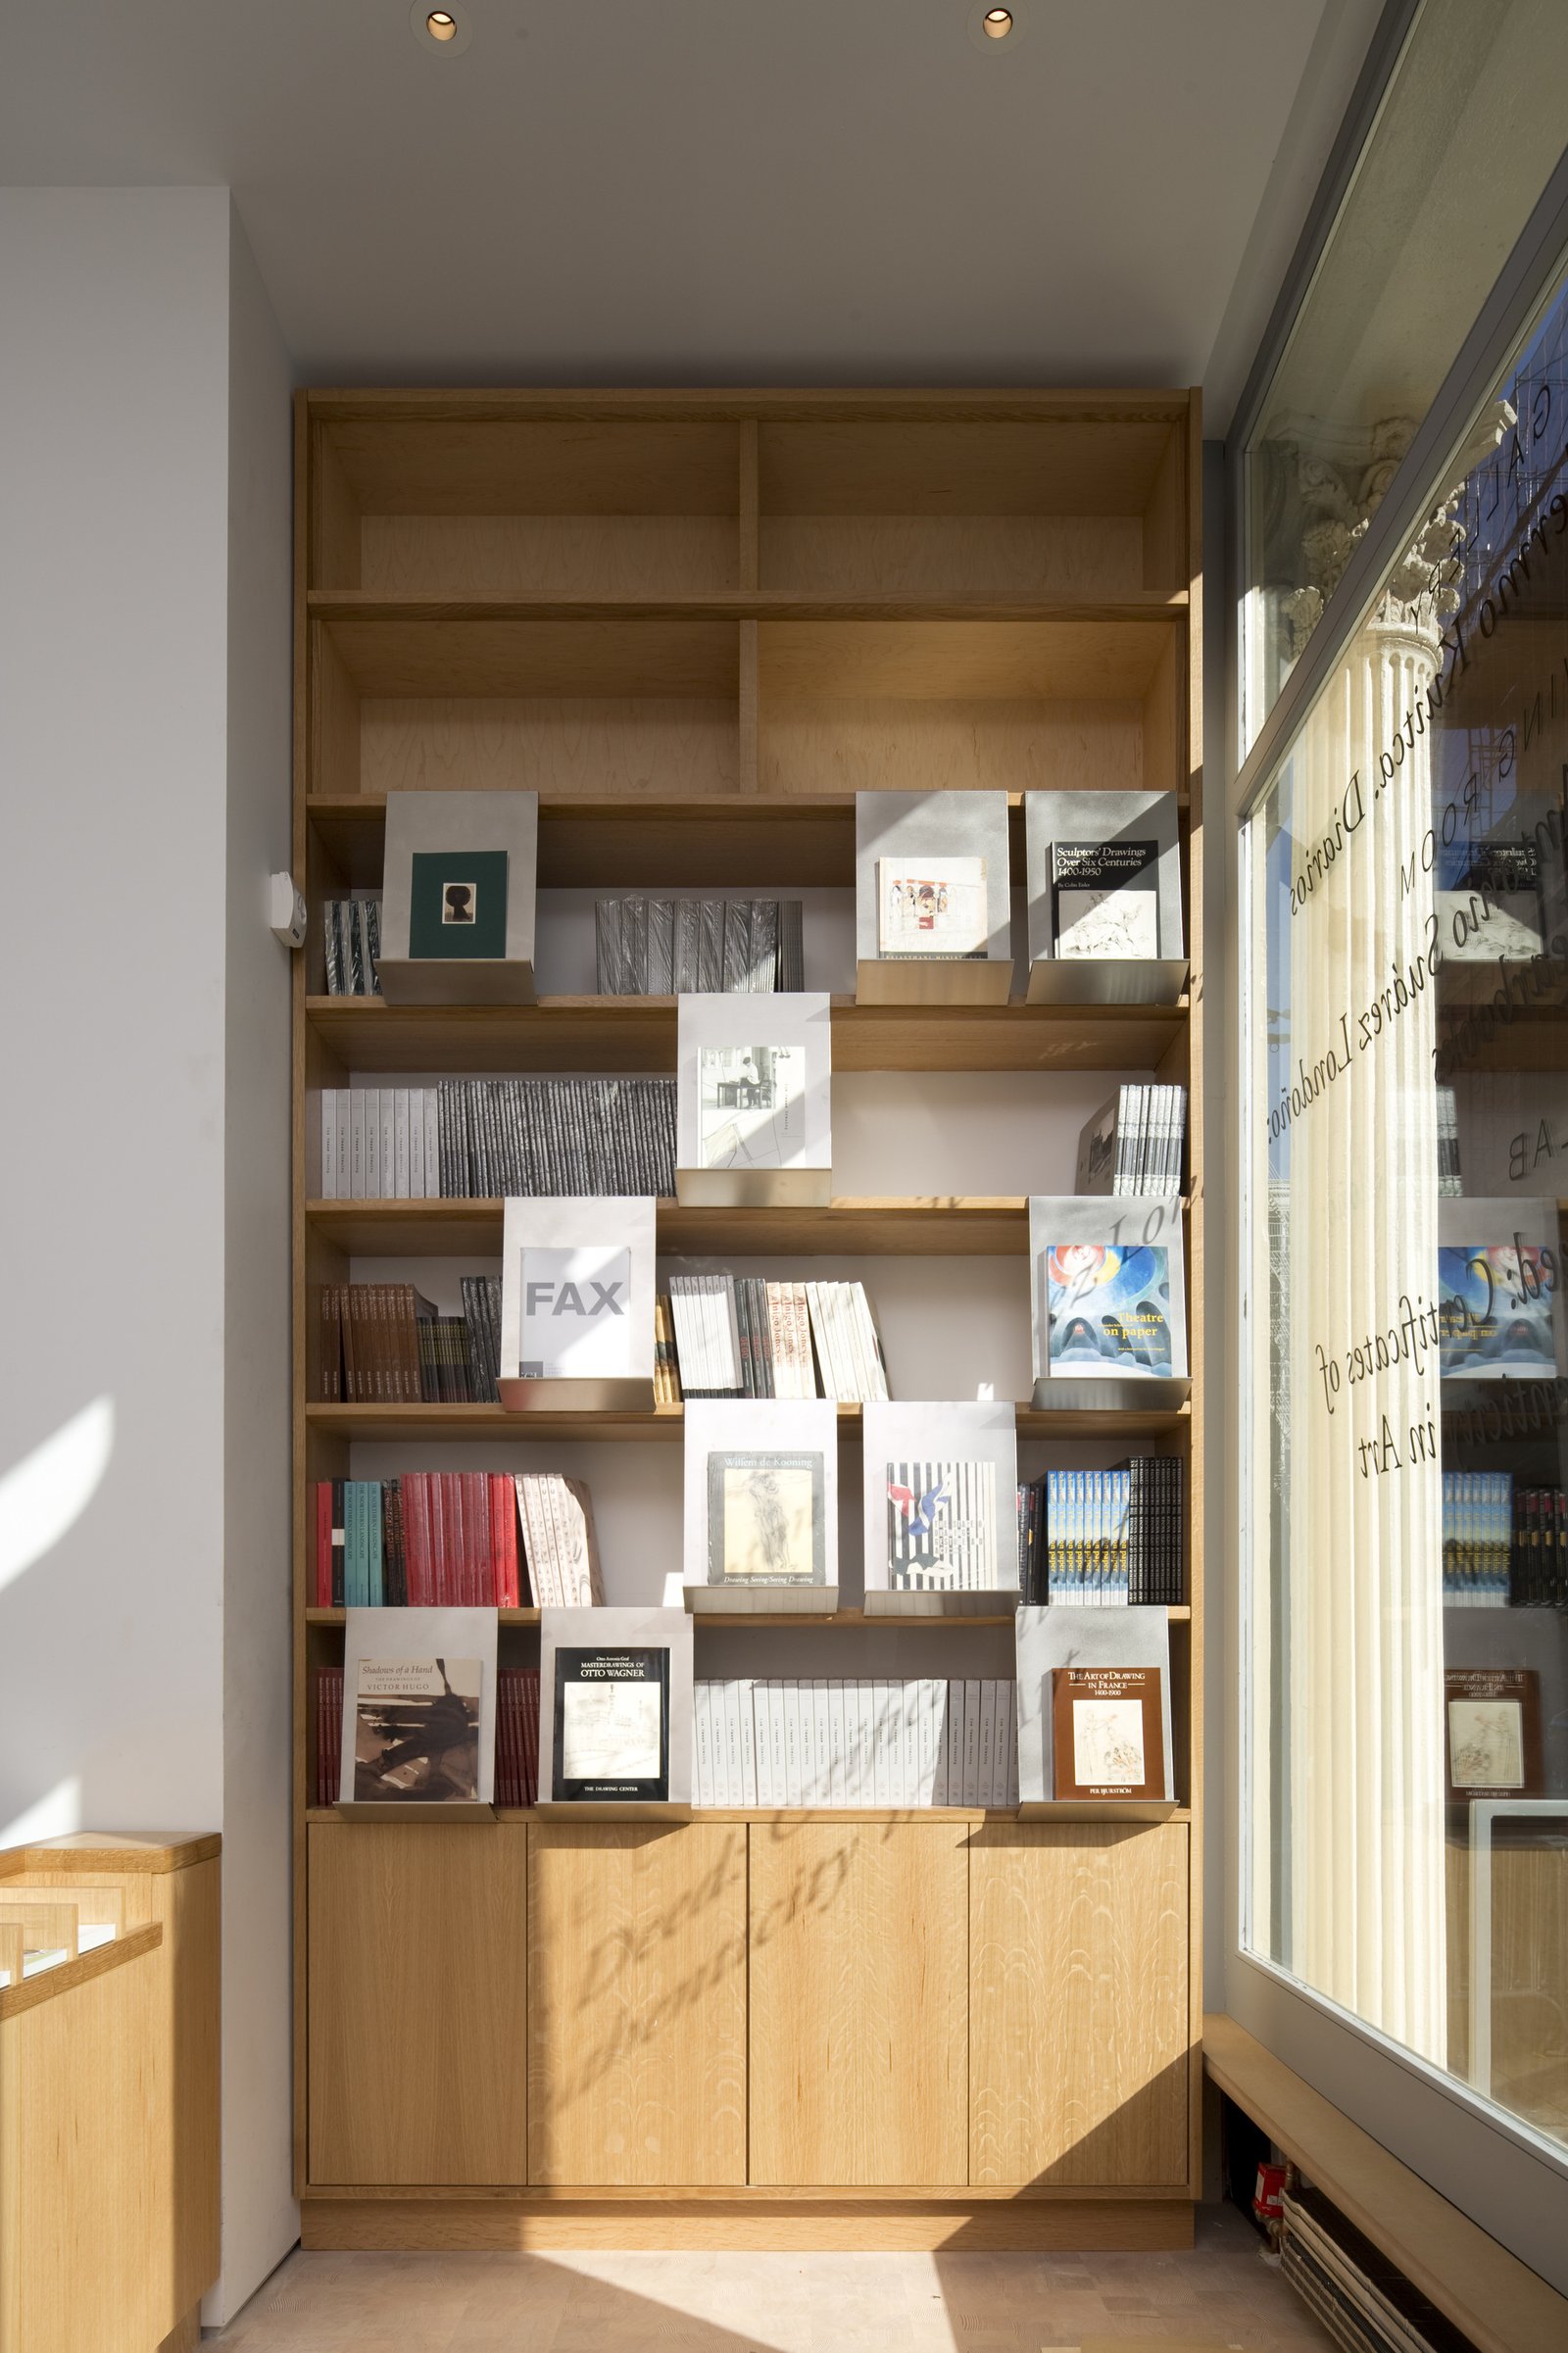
517, 1736
1478, 1539
666, 1363
1539, 1578
697, 947
740, 1336
1135, 1143
328, 1733
352, 929
450, 1539
1103, 1539
381, 1143
383, 1343
516, 1137
1450, 1183
830, 1743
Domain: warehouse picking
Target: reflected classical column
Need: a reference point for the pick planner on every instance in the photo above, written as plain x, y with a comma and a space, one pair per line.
1361, 1904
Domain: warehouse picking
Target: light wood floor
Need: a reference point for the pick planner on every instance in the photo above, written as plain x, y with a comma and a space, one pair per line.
1221, 2297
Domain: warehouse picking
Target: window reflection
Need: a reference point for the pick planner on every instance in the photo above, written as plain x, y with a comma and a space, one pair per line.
1407, 993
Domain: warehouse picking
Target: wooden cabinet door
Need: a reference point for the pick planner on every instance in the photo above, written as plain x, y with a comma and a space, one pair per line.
1078, 1990
860, 2017
637, 2004
415, 1989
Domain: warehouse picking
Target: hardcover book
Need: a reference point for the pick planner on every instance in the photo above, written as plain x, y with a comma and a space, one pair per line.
765, 1519
1106, 1731
1108, 1304
1499, 1307
416, 1731
574, 1323
458, 903
577, 1302
931, 907
611, 1725
1112, 1754
1494, 1732
419, 1709
761, 1528
615, 1695
1104, 890
457, 915
1103, 898
941, 1525
940, 1508
754, 1078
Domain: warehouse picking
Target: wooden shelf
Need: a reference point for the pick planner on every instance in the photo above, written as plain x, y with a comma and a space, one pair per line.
847, 1228
481, 1424
638, 1033
782, 1815
701, 1619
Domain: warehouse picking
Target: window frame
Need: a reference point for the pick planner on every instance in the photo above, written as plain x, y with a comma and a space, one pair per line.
1495, 2168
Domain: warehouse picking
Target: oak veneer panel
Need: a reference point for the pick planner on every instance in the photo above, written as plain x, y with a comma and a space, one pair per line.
819, 743
547, 555
995, 1226
84, 2162
1529, 1970
858, 2000
571, 744
417, 2011
757, 2221
569, 465
1078, 2043
392, 654
636, 2004
948, 660
906, 466
937, 555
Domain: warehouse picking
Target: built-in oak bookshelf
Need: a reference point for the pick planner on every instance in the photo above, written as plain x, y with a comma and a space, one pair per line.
696, 624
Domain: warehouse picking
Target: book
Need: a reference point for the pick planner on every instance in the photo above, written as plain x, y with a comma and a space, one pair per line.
1106, 1731
830, 1742
1498, 1311
654, 946
1135, 1143
458, 903
765, 1519
516, 1736
751, 1106
1104, 894
611, 1725
941, 1525
351, 931
574, 1324
1493, 1731
416, 1731
1108, 1304
1103, 898
931, 907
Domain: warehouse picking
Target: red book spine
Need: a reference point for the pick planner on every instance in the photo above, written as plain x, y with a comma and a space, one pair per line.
530, 1739
476, 1520
416, 1536
439, 1592
511, 1566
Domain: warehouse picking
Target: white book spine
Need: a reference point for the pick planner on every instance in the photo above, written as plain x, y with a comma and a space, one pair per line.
971, 1743
389, 1144
745, 1697
838, 1742
417, 1143
939, 1783
930, 1729
795, 1731
988, 1741
329, 1144
400, 1142
371, 1103
357, 1148
821, 1791
432, 1143
734, 1791
1010, 1713
700, 1766
775, 1743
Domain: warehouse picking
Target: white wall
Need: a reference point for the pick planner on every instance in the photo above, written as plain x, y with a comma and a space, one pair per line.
143, 781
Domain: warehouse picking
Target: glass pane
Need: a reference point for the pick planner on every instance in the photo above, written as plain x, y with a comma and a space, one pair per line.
1405, 936
1470, 130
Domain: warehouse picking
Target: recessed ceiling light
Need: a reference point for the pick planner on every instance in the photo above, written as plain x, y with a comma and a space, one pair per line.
441, 32
997, 22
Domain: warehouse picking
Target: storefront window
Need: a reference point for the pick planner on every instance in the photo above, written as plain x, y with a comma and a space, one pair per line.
1469, 132
1405, 938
